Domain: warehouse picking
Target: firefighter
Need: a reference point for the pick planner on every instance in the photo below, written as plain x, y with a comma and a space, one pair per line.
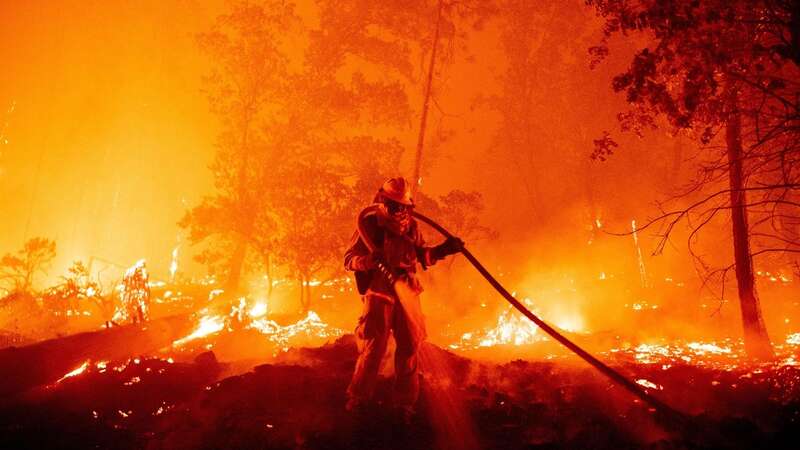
388, 244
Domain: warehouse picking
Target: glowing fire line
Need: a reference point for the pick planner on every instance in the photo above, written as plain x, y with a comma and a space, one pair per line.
77, 371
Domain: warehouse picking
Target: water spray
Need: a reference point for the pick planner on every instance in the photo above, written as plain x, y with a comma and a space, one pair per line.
670, 413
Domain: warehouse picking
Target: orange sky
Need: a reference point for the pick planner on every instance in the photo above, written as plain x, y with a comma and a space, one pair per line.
109, 126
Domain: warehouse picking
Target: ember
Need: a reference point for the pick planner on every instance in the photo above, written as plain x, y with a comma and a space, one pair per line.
649, 384
728, 356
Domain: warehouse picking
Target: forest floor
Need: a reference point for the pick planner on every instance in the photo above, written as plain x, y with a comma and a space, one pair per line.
123, 397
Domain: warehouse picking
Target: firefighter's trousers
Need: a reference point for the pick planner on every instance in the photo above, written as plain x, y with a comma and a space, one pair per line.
382, 316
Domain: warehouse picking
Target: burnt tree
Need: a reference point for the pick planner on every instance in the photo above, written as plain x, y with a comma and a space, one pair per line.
725, 72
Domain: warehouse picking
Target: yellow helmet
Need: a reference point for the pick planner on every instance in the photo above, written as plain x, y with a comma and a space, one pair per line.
397, 190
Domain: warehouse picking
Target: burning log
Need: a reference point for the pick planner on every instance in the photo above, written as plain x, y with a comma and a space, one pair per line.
45, 362
246, 318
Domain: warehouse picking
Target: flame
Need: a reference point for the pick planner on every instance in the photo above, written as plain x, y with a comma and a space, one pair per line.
73, 373
640, 260
572, 323
702, 348
133, 381
728, 355
238, 311
139, 265
793, 339
173, 266
255, 318
511, 328
649, 384
310, 326
258, 310
208, 325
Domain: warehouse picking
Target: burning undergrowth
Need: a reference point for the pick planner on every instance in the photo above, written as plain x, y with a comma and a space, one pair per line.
246, 330
176, 395
297, 402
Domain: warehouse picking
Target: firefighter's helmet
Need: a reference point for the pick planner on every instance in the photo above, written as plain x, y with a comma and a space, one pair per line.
397, 190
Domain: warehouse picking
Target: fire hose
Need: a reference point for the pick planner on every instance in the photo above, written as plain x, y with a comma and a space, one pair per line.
669, 413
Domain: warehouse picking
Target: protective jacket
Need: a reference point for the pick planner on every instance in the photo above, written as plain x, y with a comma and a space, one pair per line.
401, 253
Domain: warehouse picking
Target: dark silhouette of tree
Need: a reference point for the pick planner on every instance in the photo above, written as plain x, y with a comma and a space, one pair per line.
726, 71
18, 270
77, 290
299, 145
246, 84
549, 106
416, 39
316, 220
460, 211
448, 22
533, 89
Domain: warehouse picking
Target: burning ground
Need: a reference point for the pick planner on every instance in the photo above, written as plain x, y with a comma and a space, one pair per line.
215, 371
174, 384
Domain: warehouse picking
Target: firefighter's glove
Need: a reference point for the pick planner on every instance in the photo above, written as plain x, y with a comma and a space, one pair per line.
449, 247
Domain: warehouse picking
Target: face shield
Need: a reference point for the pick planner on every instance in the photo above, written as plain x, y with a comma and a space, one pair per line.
396, 216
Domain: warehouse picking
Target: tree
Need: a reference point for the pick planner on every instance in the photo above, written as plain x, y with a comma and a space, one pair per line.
423, 121
75, 286
18, 271
720, 67
460, 211
545, 122
446, 24
535, 91
391, 34
314, 211
297, 125
248, 81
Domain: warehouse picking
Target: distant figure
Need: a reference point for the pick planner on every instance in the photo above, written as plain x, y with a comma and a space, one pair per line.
136, 293
388, 245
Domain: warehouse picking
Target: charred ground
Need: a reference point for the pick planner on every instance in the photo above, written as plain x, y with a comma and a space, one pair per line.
297, 401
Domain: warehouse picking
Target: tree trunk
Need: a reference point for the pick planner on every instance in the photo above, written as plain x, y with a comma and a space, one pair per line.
305, 299
235, 267
756, 340
239, 254
307, 306
268, 264
426, 103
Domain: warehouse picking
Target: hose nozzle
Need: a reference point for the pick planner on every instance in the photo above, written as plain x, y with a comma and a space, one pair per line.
386, 272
